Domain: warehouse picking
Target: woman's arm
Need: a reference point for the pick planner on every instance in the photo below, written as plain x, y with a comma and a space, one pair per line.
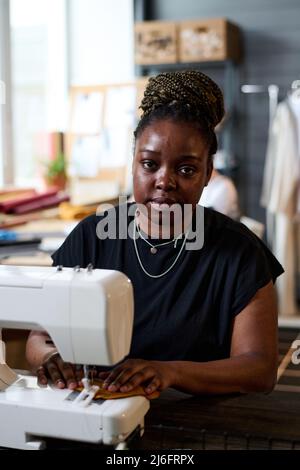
45, 361
39, 346
252, 365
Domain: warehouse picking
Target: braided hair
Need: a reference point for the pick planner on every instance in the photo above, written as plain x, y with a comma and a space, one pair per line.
188, 96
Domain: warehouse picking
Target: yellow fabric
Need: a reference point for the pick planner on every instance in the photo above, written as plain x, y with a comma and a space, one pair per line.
68, 211
105, 394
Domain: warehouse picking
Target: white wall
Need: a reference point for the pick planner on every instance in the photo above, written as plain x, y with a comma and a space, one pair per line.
39, 81
38, 30
6, 161
99, 50
100, 41
2, 101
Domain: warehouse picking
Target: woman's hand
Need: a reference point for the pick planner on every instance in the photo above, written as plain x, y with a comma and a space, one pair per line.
151, 375
62, 374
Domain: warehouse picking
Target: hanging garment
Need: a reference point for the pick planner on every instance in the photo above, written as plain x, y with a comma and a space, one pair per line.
280, 198
294, 103
221, 195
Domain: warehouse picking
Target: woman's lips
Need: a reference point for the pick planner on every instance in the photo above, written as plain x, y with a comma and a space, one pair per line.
162, 203
163, 200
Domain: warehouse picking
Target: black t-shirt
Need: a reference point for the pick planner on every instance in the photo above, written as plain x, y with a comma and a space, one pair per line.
186, 314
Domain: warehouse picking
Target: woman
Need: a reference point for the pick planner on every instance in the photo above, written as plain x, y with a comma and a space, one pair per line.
205, 318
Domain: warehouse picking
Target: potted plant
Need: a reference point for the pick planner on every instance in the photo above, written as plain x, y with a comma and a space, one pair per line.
55, 174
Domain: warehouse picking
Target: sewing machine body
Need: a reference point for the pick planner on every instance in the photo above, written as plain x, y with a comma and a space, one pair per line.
30, 413
89, 315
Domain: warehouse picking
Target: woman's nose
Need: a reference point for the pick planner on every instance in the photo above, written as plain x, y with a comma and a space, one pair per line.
165, 181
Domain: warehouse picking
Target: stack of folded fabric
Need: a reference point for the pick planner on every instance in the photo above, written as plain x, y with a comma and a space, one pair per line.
32, 201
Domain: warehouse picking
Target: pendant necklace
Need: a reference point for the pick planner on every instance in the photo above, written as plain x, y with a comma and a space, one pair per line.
153, 248
155, 276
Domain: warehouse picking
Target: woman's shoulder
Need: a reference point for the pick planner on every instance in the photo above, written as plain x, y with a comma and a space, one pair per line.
238, 242
225, 228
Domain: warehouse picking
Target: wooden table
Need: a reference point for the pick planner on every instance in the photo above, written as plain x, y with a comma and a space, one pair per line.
254, 421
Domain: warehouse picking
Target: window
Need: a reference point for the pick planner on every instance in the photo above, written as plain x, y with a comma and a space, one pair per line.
39, 88
55, 44
6, 167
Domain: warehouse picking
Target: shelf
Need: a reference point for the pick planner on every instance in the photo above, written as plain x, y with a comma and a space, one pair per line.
187, 65
289, 321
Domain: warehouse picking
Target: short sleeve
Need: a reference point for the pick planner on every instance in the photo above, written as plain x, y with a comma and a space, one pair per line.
78, 246
256, 268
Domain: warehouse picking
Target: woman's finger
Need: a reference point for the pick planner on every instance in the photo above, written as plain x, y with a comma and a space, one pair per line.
120, 379
128, 367
52, 369
78, 372
103, 375
155, 384
41, 376
55, 375
113, 375
68, 373
137, 379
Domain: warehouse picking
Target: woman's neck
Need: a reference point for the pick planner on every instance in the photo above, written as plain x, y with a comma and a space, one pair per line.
162, 227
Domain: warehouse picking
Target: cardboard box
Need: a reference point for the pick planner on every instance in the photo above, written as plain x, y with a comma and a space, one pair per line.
155, 42
209, 40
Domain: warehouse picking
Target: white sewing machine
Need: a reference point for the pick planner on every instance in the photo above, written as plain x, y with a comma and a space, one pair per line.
89, 316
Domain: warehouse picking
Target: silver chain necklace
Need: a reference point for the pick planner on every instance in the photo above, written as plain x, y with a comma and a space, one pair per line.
155, 276
153, 248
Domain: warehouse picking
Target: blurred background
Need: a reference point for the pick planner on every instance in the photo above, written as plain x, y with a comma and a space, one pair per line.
72, 73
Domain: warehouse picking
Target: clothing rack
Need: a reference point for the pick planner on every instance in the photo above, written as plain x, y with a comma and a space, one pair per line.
295, 85
295, 88
272, 90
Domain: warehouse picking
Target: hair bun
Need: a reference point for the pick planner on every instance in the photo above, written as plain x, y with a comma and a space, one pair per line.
191, 88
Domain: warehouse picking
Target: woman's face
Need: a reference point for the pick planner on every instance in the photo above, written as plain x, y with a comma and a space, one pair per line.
171, 164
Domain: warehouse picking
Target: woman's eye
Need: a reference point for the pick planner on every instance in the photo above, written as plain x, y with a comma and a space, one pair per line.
148, 164
187, 170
